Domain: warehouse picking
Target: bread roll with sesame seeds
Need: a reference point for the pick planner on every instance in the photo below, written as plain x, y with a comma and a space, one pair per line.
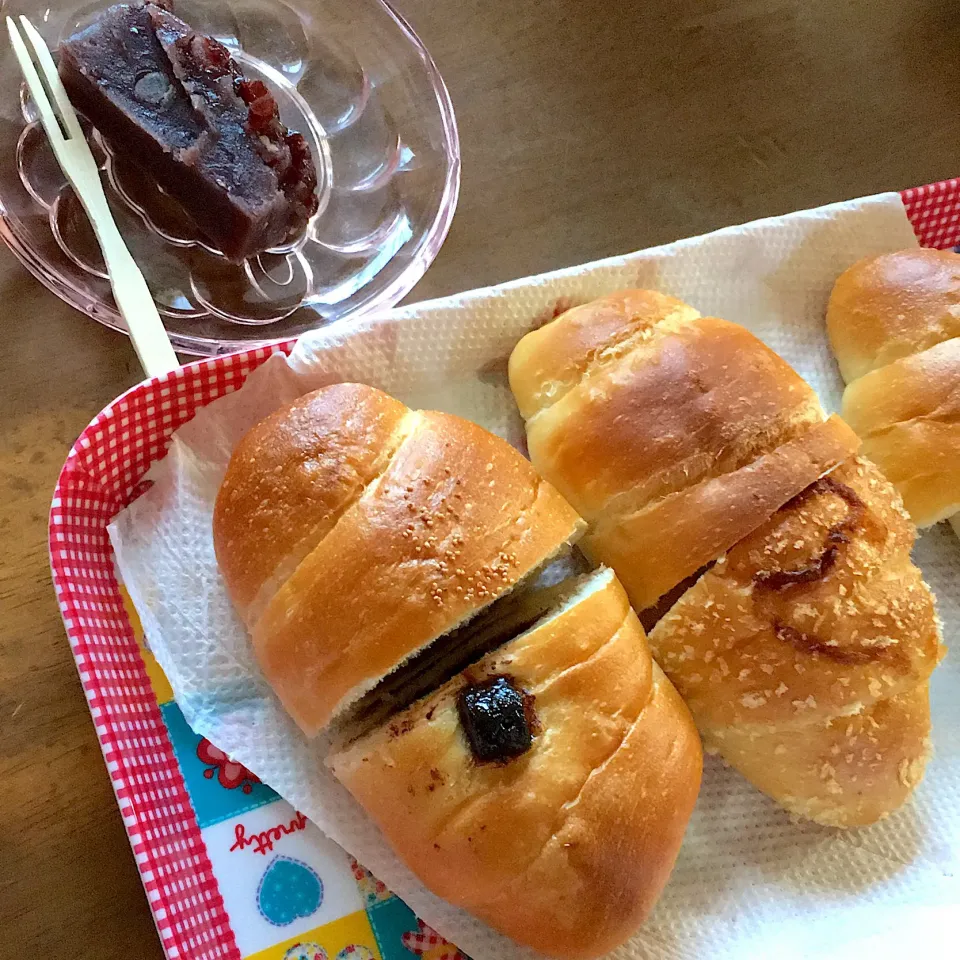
353, 532
804, 653
564, 835
662, 426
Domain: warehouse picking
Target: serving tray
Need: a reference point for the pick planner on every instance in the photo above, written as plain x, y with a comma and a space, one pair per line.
229, 868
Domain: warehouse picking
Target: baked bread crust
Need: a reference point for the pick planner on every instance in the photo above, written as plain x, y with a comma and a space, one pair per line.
352, 533
804, 653
661, 426
894, 322
566, 847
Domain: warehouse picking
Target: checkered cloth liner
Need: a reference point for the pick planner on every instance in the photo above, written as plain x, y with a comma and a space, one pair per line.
934, 211
101, 475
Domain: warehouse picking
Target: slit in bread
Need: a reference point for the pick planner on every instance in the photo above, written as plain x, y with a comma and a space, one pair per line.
492, 627
566, 845
660, 425
804, 653
411, 524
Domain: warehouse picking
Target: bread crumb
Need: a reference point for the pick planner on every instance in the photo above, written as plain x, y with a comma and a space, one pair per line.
782, 689
753, 700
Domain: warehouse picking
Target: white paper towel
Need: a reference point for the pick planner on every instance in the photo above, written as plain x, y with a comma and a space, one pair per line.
749, 882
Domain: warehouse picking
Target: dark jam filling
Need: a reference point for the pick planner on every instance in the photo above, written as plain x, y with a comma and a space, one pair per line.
497, 719
289, 156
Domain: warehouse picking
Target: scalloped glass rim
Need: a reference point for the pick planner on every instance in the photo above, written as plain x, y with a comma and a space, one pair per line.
420, 257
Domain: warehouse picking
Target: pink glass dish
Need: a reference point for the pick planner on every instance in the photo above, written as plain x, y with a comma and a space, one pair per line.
355, 80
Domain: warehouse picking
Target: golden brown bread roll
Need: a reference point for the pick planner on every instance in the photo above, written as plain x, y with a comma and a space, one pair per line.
684, 440
804, 653
353, 532
565, 840
887, 307
908, 414
894, 322
659, 425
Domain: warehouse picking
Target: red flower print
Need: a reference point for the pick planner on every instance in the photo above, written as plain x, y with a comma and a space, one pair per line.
371, 889
230, 774
427, 943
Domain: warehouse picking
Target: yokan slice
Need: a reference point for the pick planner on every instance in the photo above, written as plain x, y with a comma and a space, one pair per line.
174, 102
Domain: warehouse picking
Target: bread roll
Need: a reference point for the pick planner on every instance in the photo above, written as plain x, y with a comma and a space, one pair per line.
894, 322
804, 653
659, 425
353, 532
565, 845
908, 414
887, 307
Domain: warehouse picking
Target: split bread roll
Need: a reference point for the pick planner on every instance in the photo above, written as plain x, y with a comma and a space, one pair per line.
662, 426
353, 532
805, 645
894, 323
804, 653
375, 553
564, 840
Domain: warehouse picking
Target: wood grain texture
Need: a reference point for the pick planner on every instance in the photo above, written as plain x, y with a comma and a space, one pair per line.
588, 128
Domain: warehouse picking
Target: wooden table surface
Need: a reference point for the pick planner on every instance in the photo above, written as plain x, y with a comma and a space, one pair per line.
588, 128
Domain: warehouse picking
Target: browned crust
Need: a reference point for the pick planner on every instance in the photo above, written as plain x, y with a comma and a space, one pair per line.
817, 616
352, 533
890, 306
703, 521
550, 361
693, 404
566, 848
908, 414
291, 478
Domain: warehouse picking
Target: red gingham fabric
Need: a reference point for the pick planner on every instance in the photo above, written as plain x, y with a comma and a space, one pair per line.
101, 475
934, 211
102, 472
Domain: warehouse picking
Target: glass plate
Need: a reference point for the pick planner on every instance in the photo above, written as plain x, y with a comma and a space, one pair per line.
354, 79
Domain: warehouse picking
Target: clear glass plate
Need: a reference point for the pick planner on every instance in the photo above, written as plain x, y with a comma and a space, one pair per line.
354, 79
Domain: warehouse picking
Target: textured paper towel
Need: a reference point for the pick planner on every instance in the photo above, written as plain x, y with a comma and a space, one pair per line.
749, 882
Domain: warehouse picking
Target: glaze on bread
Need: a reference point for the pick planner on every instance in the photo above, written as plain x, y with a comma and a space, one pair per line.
565, 846
353, 532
